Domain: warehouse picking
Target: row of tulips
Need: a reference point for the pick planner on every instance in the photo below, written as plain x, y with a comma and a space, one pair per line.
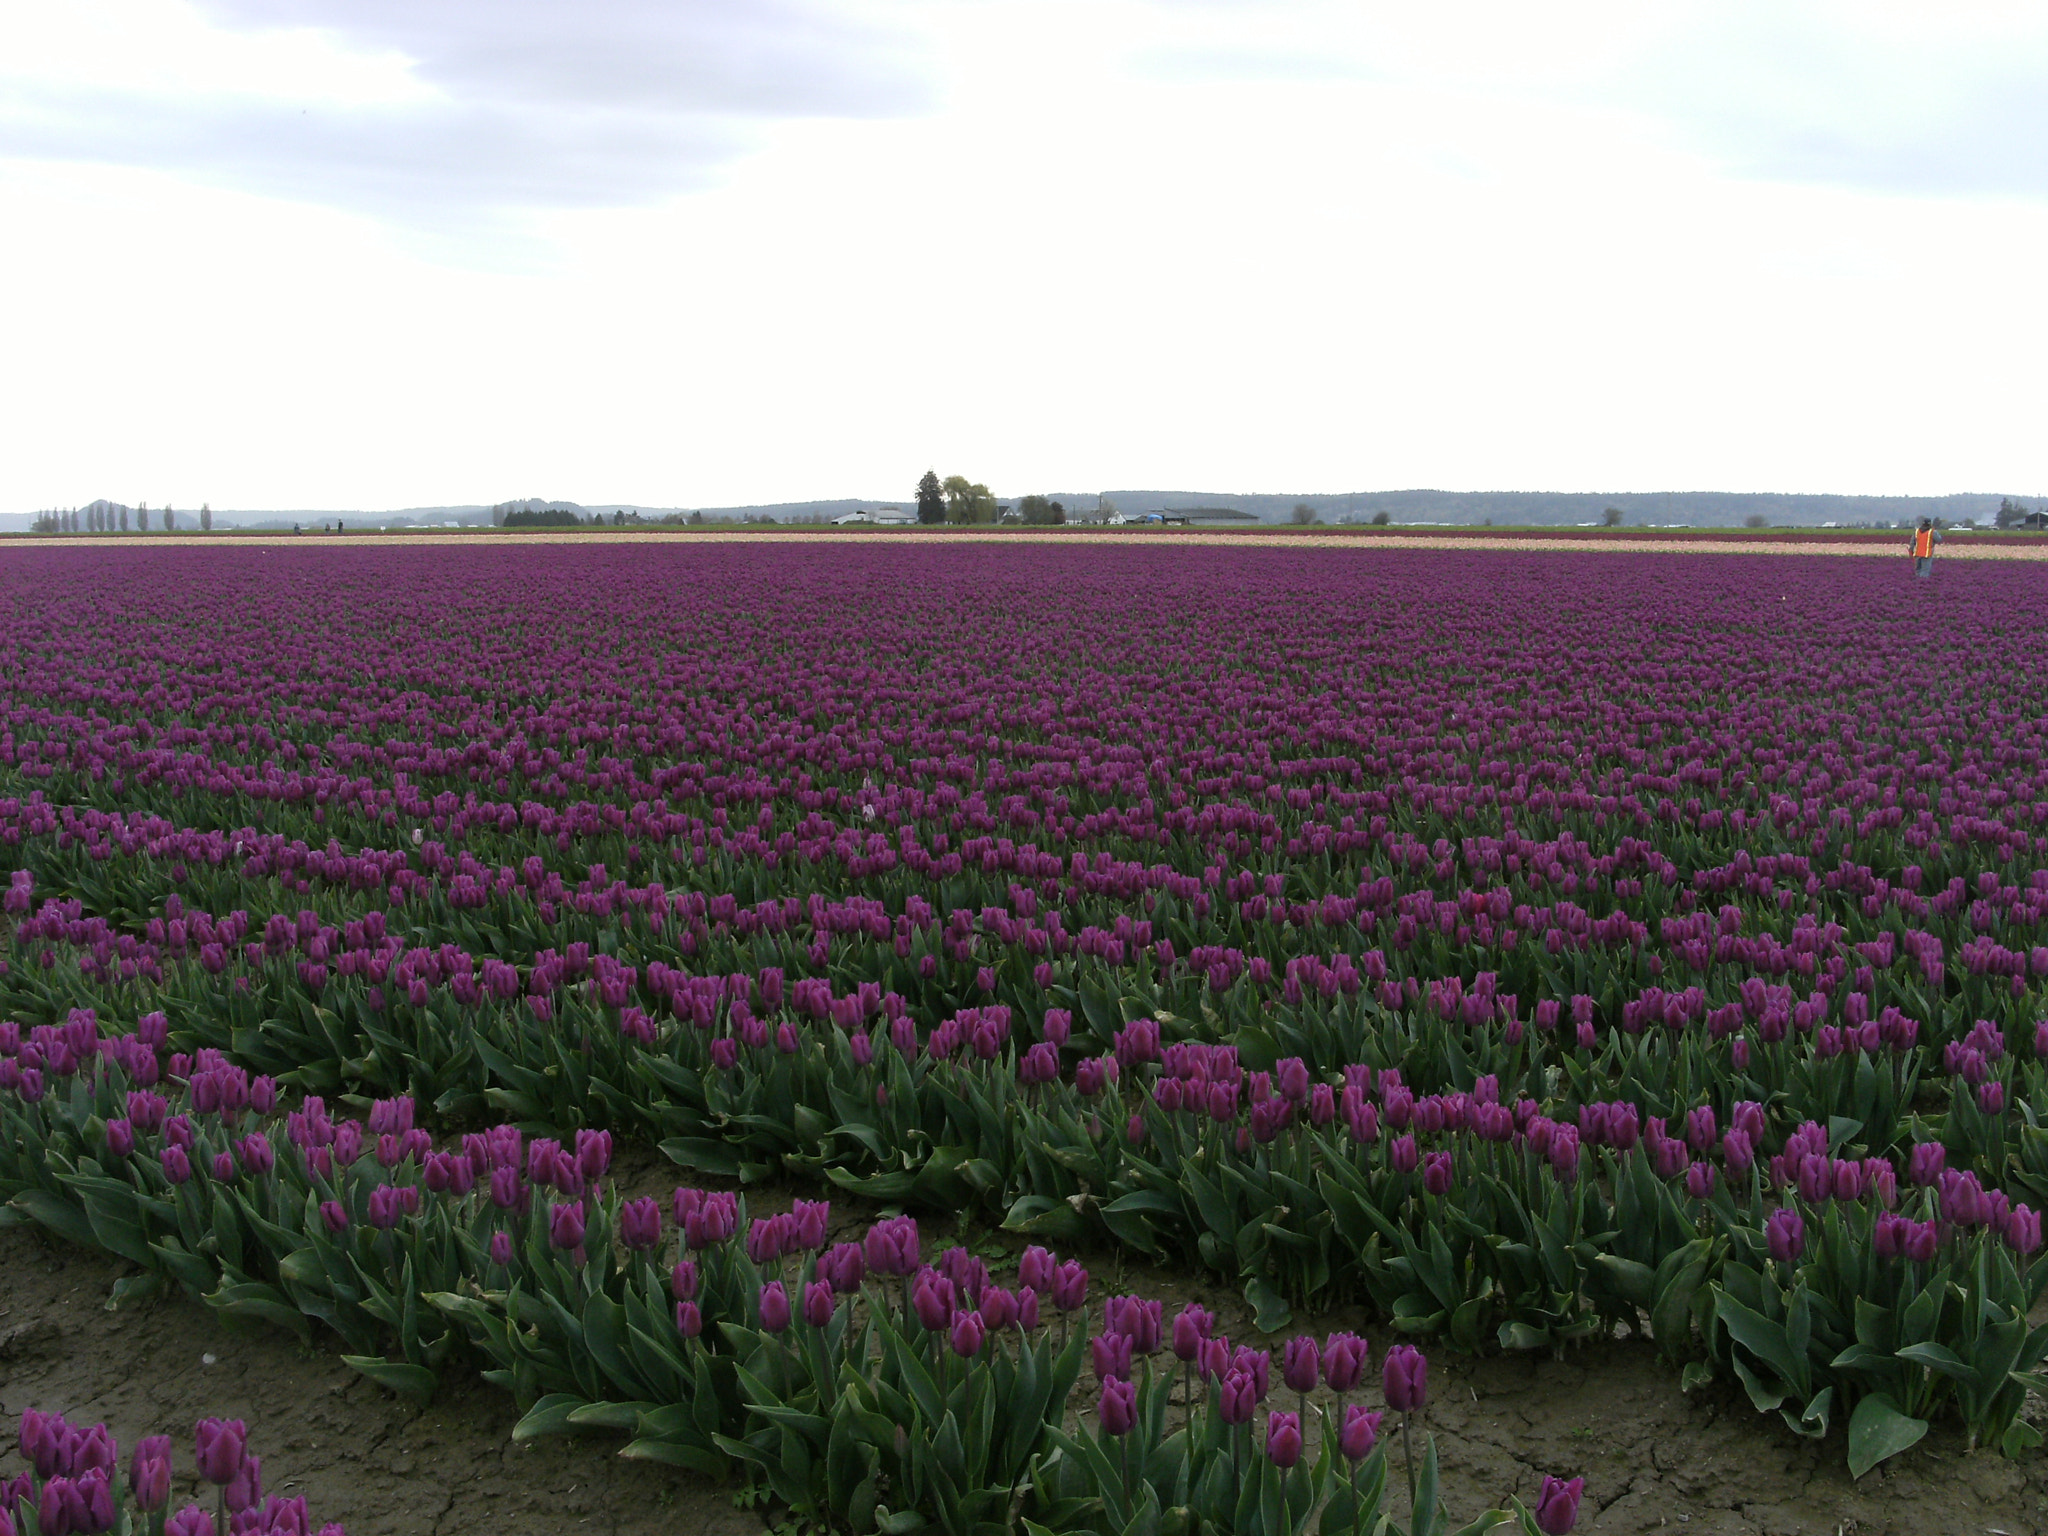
744, 1090
852, 1378
125, 950
74, 1485
1493, 1222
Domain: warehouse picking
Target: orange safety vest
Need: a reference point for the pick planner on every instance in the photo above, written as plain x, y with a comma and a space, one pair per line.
1923, 544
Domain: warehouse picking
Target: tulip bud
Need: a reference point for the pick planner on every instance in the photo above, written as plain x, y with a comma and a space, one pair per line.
1360, 1433
218, 1447
1035, 1269
149, 1473
1283, 1439
1301, 1364
245, 1488
682, 1281
640, 1224
191, 1521
967, 1335
1110, 1354
1191, 1325
1345, 1358
819, 1302
774, 1306
1786, 1234
566, 1224
1118, 1408
1070, 1287
1557, 1506
1405, 1379
689, 1321
120, 1138
1436, 1173
1236, 1397
333, 1216
2023, 1230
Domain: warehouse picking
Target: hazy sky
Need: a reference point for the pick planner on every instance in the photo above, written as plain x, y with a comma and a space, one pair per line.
371, 253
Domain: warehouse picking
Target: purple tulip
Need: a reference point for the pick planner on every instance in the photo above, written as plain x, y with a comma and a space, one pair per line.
774, 1303
998, 1308
191, 1521
1557, 1506
1345, 1359
1924, 1165
1110, 1354
2023, 1230
1138, 1319
812, 1220
1236, 1397
1402, 1155
1922, 1242
934, 1301
967, 1335
177, 1166
1405, 1378
1301, 1364
1283, 1439
892, 1246
245, 1488
120, 1138
640, 1224
1117, 1409
1070, 1287
1191, 1325
819, 1303
689, 1320
566, 1225
219, 1446
683, 1280
1699, 1179
1035, 1269
1436, 1173
1786, 1234
1361, 1431
149, 1472
843, 1267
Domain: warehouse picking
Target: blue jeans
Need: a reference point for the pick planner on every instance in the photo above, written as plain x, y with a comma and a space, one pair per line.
1923, 566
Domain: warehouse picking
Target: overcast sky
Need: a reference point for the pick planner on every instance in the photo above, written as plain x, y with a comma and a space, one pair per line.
378, 253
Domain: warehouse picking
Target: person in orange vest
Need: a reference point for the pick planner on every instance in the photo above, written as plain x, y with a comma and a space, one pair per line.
1925, 537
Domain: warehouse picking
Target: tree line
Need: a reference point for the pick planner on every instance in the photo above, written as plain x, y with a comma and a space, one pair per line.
958, 500
110, 517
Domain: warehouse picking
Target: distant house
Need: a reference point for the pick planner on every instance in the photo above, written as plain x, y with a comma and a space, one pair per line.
879, 517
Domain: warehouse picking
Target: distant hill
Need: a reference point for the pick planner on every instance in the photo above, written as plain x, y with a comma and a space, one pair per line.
1699, 509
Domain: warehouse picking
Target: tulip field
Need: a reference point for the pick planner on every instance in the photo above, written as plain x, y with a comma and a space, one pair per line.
1519, 950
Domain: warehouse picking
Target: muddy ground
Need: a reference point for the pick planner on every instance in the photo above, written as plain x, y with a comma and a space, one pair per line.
1653, 1458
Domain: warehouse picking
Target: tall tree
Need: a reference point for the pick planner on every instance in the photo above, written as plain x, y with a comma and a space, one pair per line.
968, 501
931, 498
205, 517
